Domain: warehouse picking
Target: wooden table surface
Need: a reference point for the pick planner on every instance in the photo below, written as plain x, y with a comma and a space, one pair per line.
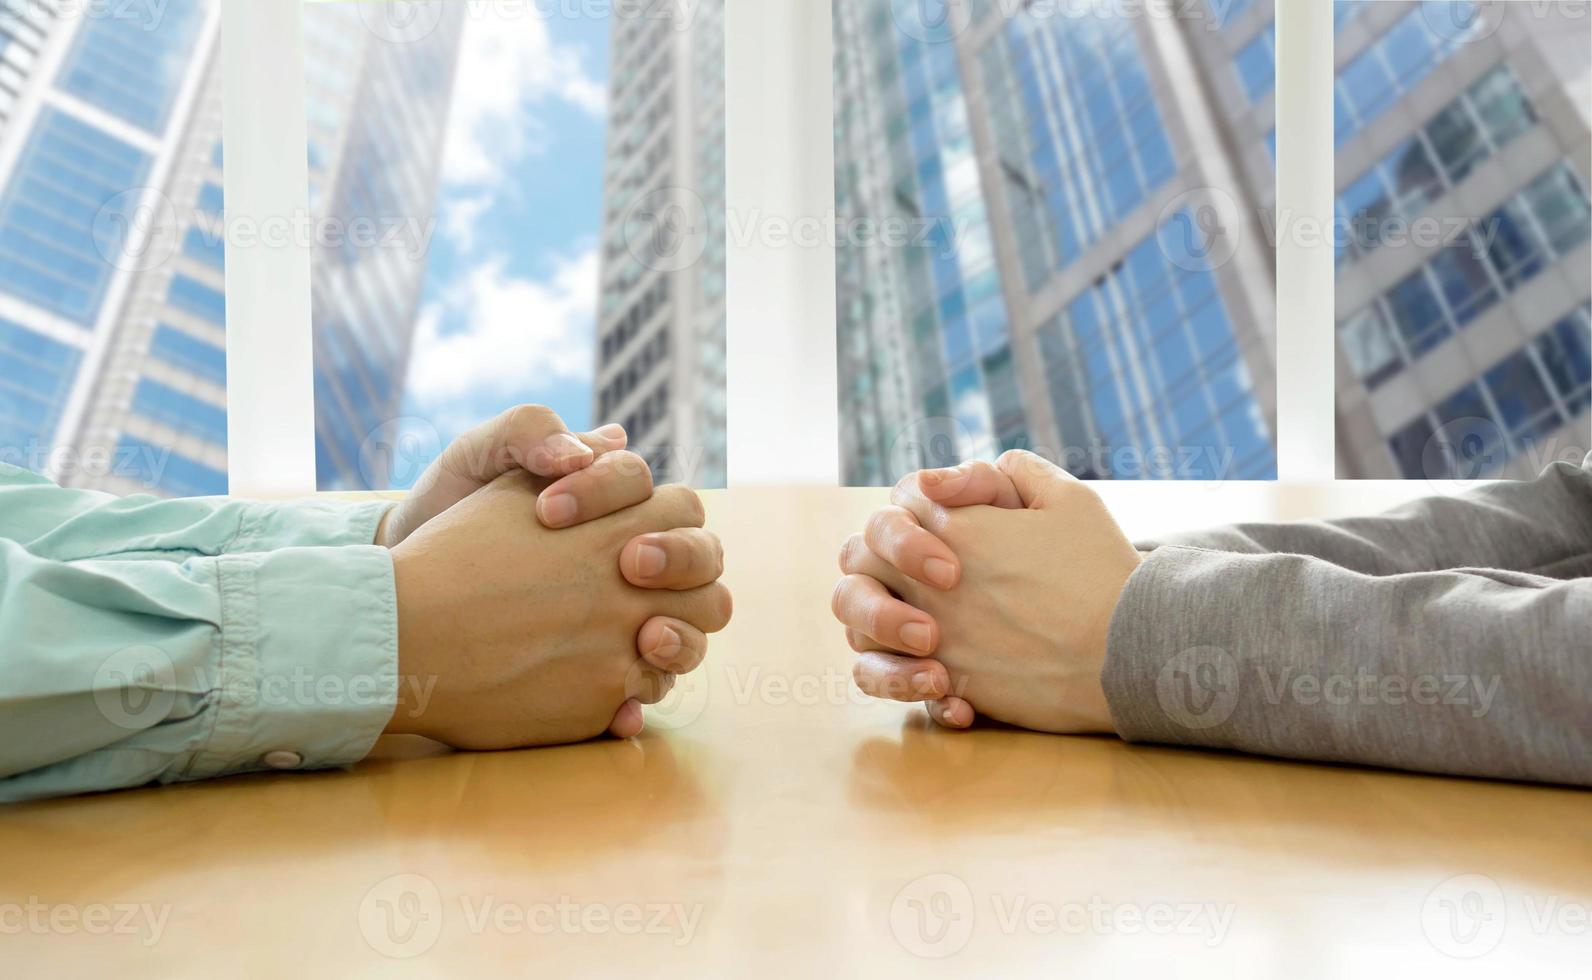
773, 823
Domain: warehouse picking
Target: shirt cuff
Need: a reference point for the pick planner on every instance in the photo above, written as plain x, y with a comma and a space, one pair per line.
308, 660
307, 524
1161, 682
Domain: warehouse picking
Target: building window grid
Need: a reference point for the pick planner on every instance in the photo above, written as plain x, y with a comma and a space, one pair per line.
1121, 303
1563, 406
1448, 173
180, 412
1069, 139
1408, 350
1353, 117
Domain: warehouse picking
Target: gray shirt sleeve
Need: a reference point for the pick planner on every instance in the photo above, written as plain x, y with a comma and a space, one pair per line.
1544, 527
1452, 636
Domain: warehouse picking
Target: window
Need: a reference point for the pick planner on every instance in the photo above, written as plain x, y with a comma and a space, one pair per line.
112, 371
537, 235
1515, 408
1408, 220
1400, 58
1016, 243
1256, 65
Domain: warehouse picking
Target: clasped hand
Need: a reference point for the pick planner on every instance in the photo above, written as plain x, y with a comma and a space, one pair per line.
545, 589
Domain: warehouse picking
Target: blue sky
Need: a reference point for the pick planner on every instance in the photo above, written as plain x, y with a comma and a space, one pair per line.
508, 308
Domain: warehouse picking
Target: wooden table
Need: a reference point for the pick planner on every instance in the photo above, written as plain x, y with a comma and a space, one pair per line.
773, 823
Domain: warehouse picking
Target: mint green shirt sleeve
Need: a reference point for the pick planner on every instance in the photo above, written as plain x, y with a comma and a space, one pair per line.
146, 640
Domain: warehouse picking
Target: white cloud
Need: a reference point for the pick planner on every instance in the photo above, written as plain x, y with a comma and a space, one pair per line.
506, 64
460, 214
493, 332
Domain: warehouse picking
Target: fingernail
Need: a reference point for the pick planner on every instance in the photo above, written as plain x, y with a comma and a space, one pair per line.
562, 445
558, 510
651, 560
926, 682
916, 636
940, 572
931, 478
669, 641
612, 432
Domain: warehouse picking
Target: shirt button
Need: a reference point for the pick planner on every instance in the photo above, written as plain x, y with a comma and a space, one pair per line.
283, 760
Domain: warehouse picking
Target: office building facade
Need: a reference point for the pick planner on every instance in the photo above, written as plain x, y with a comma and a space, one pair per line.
113, 247
661, 310
1088, 273
1464, 271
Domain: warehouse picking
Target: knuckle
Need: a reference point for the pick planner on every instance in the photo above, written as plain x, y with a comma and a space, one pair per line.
837, 601
851, 553
627, 464
904, 489
682, 500
873, 618
1013, 457
712, 553
879, 531
530, 419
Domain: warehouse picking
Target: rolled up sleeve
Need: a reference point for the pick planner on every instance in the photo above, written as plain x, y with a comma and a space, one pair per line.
162, 641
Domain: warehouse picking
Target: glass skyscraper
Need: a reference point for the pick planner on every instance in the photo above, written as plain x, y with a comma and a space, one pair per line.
1467, 354
378, 111
1086, 273
661, 312
112, 254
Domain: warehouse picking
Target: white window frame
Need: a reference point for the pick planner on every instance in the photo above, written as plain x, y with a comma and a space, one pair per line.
781, 358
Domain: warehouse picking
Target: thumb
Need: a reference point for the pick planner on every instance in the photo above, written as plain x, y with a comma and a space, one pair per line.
1037, 479
974, 482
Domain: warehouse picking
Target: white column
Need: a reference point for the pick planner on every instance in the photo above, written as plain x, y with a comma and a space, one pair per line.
781, 388
1306, 295
270, 386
